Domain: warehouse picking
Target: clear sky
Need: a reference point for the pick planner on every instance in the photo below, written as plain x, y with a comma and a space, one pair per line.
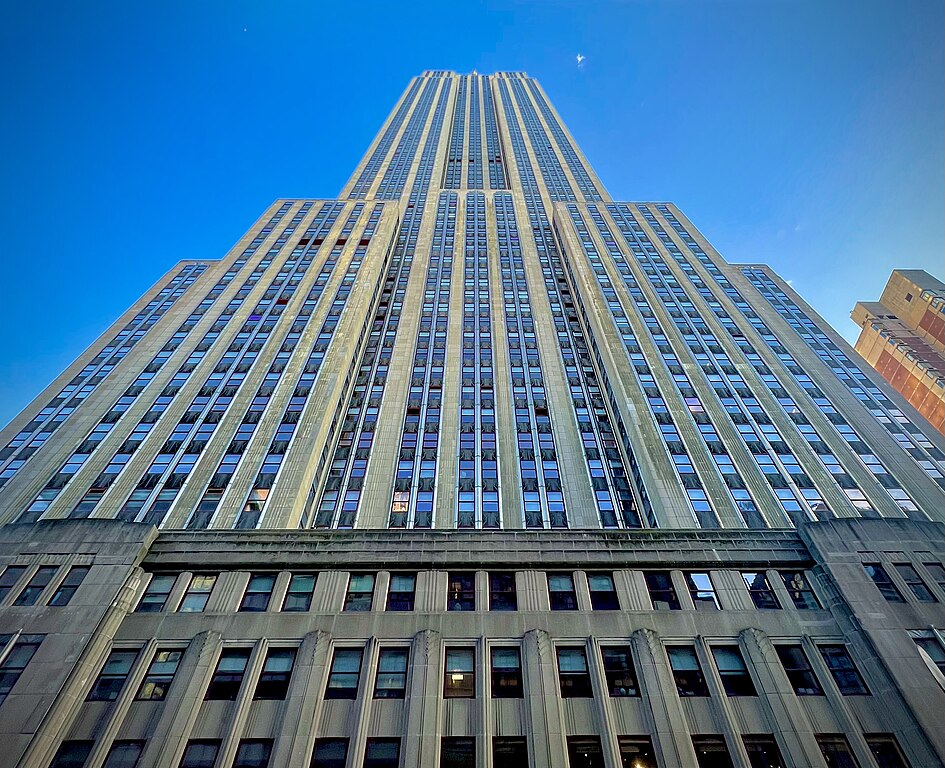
805, 134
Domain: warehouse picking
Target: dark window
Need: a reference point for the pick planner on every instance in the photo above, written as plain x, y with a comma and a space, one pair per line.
298, 597
798, 669
886, 751
734, 672
702, 591
330, 753
198, 593
67, 588
843, 670
686, 671
573, 675
933, 649
400, 596
509, 752
360, 595
561, 592
155, 596
798, 587
72, 754
585, 752
258, 592
760, 590
35, 586
763, 751
502, 594
457, 752
276, 672
200, 753
662, 592
391, 674
636, 752
459, 674
711, 752
16, 660
382, 753
883, 583
160, 675
253, 753
124, 754
228, 676
345, 674
506, 673
618, 669
461, 594
937, 570
113, 675
603, 592
836, 751
9, 578
911, 576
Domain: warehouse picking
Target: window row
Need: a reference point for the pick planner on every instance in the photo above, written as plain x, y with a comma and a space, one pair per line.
56, 583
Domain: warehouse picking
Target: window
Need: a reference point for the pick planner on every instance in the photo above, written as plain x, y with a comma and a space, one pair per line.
253, 753
72, 754
400, 596
509, 752
760, 590
585, 752
67, 588
636, 752
35, 586
159, 676
686, 671
798, 587
909, 575
603, 592
573, 676
933, 650
298, 597
345, 674
457, 752
9, 578
276, 672
330, 753
885, 750
798, 669
198, 593
763, 751
155, 596
502, 594
228, 676
883, 583
461, 594
113, 675
619, 671
391, 674
843, 670
561, 592
702, 591
360, 595
937, 570
200, 753
258, 592
711, 752
662, 593
459, 674
732, 669
124, 754
16, 660
836, 751
382, 753
506, 673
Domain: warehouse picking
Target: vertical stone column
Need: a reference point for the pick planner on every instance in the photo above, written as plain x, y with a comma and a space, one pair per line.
544, 716
421, 742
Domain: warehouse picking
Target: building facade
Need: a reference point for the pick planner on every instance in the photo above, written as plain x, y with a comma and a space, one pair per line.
903, 338
471, 466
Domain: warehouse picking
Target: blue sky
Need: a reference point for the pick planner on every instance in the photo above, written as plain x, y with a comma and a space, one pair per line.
807, 135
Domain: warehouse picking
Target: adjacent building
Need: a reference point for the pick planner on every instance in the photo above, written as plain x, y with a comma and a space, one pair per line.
903, 337
471, 465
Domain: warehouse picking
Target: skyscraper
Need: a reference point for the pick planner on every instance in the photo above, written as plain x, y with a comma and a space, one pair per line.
471, 466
